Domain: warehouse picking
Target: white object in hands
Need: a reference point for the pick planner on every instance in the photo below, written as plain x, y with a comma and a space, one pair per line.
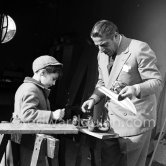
125, 103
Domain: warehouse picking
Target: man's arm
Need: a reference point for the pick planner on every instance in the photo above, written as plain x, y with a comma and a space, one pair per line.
97, 95
149, 72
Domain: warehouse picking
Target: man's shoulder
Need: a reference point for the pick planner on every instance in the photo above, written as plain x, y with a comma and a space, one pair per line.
133, 41
138, 42
137, 45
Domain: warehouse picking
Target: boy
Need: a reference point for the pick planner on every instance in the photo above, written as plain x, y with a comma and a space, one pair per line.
32, 103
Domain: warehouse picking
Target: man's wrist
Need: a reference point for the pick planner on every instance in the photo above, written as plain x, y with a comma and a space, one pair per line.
137, 90
95, 97
92, 99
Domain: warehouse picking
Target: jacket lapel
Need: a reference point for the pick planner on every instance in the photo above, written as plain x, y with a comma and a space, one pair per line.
121, 57
104, 60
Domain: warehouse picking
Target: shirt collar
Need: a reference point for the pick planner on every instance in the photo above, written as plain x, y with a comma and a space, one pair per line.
119, 40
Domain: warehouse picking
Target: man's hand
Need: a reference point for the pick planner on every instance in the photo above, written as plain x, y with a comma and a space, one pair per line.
58, 114
88, 105
128, 91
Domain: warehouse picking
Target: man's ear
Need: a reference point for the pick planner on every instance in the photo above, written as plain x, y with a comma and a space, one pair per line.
116, 35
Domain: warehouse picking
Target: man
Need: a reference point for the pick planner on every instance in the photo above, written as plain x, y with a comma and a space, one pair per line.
32, 103
127, 67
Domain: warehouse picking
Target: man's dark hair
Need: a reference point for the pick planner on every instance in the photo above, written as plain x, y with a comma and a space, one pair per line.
104, 28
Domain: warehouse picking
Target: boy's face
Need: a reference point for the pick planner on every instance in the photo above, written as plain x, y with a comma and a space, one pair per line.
49, 80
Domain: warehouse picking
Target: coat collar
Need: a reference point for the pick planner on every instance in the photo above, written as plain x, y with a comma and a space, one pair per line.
124, 45
31, 80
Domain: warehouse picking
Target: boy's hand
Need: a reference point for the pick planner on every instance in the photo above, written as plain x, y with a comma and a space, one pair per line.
58, 114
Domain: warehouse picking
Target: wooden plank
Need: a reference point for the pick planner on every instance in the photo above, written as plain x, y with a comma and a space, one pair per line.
36, 128
107, 135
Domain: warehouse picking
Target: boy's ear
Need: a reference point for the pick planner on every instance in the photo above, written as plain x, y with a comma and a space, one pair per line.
43, 72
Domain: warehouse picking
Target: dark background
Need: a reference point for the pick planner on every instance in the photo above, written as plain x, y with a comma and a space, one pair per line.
61, 28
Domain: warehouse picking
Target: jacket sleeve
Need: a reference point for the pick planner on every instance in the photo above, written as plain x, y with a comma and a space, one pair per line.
97, 95
147, 67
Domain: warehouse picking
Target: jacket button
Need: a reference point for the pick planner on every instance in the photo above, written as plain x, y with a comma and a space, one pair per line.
124, 113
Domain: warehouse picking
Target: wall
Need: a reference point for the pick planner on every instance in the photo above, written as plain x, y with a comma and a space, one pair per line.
140, 19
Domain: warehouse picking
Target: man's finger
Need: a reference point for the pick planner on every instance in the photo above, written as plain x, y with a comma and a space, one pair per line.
120, 98
83, 109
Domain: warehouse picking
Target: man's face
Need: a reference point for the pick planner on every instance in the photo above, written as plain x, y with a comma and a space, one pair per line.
49, 80
106, 45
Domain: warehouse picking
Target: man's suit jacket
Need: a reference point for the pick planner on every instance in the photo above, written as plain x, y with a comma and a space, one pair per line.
135, 63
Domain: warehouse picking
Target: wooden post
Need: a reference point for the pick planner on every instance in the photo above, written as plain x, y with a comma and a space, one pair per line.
36, 150
3, 143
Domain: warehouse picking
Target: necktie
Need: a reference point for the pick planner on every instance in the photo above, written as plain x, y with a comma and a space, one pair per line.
110, 64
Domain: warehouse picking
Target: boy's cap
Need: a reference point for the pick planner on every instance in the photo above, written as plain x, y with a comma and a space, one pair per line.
43, 61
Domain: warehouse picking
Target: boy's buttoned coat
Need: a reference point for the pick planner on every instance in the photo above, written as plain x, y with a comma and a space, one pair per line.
31, 106
31, 102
